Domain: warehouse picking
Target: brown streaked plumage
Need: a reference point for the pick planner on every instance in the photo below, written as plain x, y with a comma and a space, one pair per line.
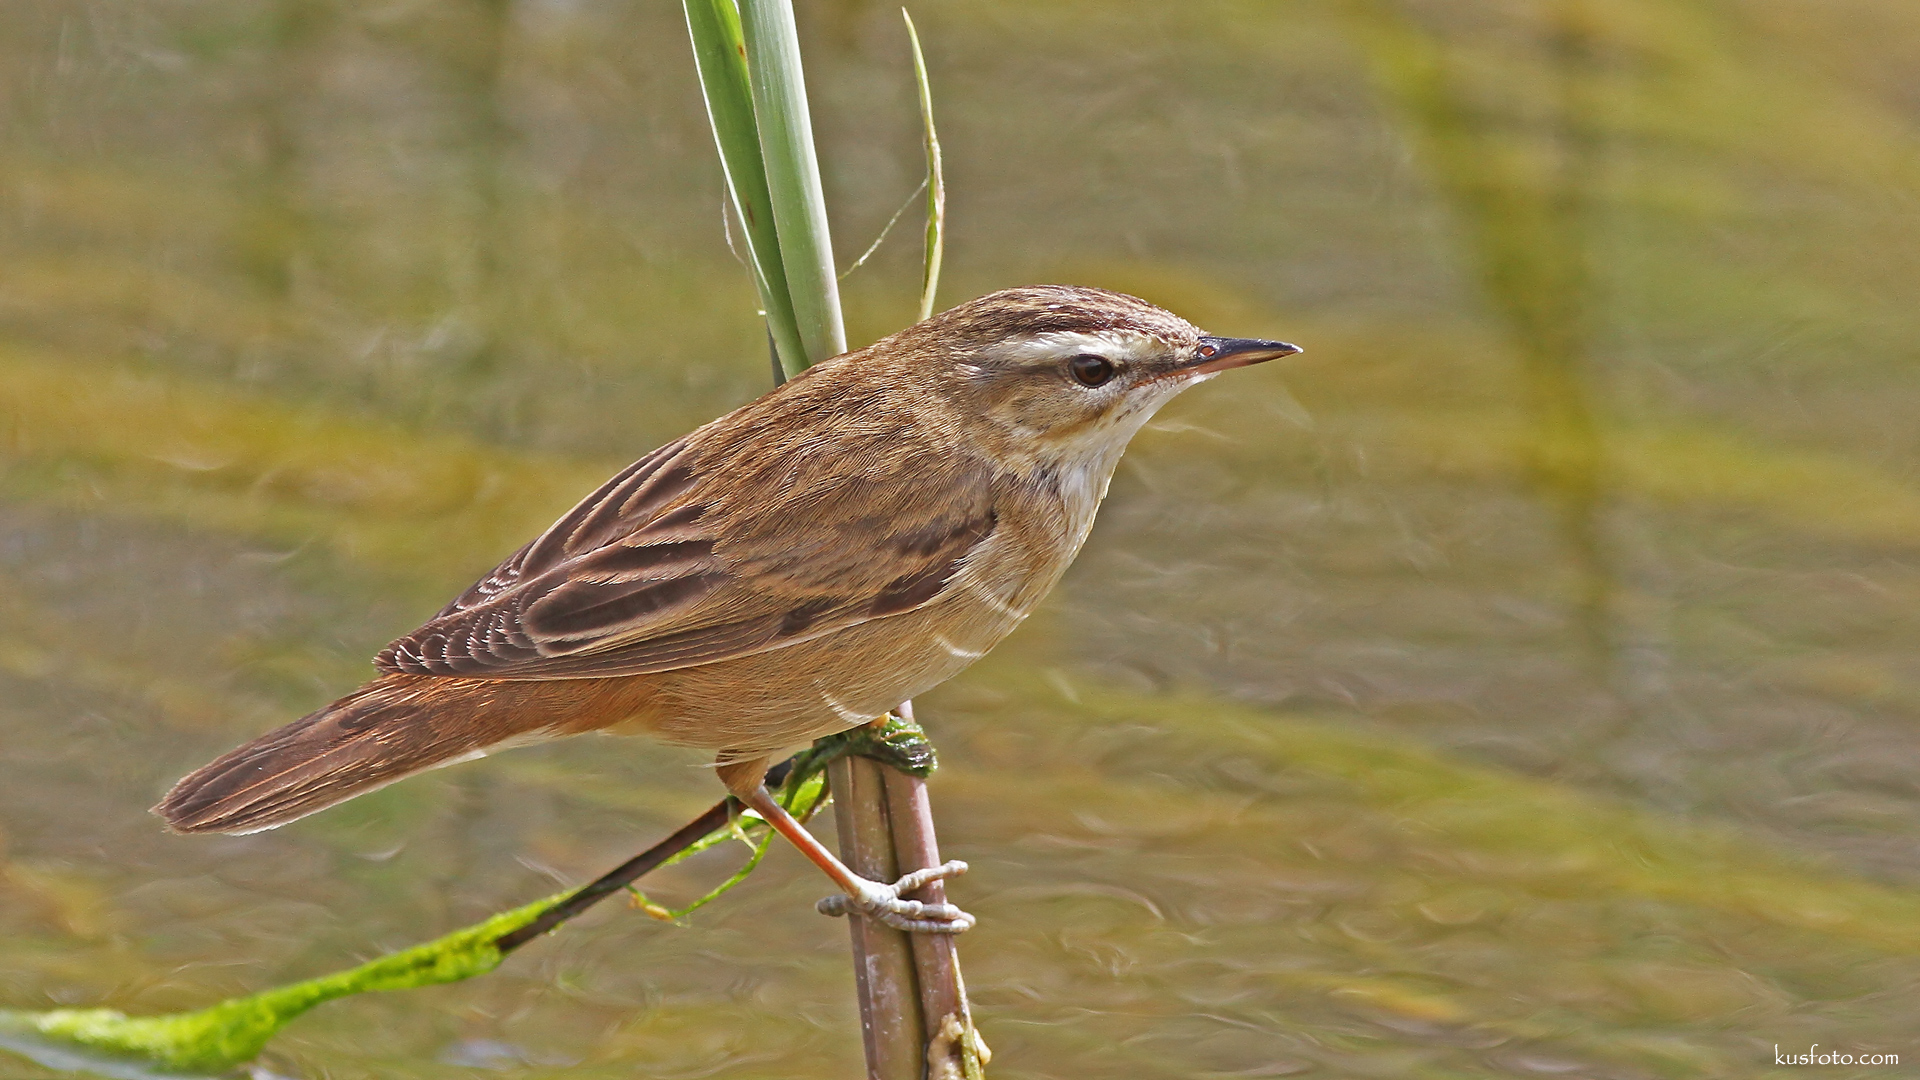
794, 568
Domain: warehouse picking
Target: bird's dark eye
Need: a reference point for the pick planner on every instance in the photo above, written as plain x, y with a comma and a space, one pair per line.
1090, 370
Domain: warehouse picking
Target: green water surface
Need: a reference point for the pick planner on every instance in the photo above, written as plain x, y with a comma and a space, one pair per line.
1524, 682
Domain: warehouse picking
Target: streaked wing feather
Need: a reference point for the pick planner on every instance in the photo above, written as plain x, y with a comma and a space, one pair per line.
546, 550
657, 571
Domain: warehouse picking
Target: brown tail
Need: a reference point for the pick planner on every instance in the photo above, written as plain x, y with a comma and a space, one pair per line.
387, 730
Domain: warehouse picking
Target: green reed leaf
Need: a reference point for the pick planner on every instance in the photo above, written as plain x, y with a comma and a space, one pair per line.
793, 176
720, 54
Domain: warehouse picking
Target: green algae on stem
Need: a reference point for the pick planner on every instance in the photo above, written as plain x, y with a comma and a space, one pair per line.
215, 1039
218, 1038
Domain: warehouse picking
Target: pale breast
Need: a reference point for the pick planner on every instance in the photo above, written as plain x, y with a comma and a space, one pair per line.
788, 696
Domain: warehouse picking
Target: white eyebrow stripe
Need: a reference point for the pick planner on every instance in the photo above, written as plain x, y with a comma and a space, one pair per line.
1115, 344
964, 654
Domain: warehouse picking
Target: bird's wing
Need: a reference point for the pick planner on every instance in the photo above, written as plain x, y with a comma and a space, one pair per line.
666, 566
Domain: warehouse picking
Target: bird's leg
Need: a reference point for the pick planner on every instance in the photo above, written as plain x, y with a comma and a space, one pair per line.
873, 899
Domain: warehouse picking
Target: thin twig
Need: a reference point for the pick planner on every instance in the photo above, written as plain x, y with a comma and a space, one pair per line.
878, 240
620, 876
633, 869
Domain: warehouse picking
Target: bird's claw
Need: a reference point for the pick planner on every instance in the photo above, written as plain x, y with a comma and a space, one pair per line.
883, 902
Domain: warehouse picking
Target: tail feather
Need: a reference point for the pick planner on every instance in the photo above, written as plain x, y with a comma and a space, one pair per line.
387, 730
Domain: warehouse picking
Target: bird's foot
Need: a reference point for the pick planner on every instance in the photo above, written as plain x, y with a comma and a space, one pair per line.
891, 740
884, 902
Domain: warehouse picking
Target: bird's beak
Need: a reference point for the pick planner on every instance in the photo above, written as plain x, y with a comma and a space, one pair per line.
1217, 354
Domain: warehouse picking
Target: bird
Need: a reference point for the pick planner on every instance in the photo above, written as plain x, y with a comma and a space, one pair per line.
795, 568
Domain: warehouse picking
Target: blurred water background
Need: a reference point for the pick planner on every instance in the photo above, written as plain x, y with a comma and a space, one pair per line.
1522, 683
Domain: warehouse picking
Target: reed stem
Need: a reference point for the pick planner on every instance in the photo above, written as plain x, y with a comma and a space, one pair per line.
883, 958
911, 995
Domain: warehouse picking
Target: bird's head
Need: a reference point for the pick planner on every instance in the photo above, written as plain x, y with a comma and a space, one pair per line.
1064, 373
